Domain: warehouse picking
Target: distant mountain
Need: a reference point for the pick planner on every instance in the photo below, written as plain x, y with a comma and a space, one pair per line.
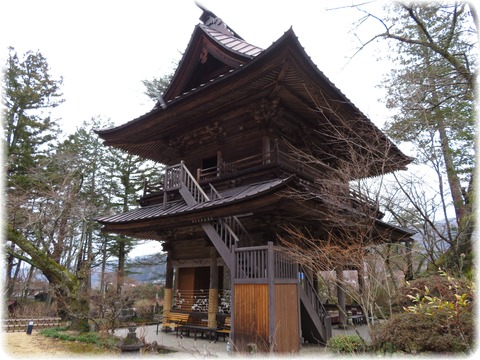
147, 268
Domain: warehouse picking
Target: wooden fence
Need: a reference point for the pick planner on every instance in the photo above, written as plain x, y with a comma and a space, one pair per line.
12, 325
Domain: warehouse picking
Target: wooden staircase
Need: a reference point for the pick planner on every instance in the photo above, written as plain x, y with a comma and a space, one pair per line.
322, 325
226, 233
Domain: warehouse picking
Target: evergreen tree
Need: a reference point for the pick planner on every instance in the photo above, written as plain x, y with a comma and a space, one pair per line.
27, 91
432, 89
128, 174
155, 87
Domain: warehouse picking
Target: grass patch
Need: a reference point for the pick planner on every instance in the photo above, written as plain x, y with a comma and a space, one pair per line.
97, 340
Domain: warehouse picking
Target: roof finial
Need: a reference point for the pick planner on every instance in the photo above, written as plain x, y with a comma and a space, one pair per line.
213, 21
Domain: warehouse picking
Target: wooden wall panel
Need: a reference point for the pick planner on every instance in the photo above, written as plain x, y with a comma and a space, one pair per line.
287, 333
251, 316
186, 278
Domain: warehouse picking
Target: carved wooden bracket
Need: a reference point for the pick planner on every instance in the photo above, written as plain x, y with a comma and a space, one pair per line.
266, 110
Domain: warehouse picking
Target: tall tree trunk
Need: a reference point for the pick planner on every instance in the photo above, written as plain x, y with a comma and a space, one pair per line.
463, 244
103, 267
11, 279
121, 264
28, 281
71, 303
453, 180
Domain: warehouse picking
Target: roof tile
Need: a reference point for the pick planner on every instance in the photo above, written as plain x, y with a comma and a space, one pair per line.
177, 207
232, 42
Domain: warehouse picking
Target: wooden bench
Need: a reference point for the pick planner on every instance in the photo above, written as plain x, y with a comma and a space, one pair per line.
224, 329
197, 324
357, 317
174, 320
197, 329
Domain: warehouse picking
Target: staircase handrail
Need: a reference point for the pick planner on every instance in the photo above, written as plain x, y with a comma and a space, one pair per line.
178, 174
312, 294
215, 192
222, 224
192, 185
235, 223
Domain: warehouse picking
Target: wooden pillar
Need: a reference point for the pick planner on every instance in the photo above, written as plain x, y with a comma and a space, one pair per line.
168, 291
271, 295
341, 299
276, 153
213, 290
232, 293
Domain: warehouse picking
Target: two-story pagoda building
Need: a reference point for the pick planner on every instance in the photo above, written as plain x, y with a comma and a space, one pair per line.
224, 129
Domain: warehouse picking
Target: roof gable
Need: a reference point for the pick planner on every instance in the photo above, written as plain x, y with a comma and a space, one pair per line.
214, 49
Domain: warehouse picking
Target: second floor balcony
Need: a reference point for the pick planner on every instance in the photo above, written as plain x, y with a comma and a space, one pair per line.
260, 167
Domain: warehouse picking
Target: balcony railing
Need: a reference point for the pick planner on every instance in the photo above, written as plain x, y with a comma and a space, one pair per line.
274, 159
269, 159
261, 263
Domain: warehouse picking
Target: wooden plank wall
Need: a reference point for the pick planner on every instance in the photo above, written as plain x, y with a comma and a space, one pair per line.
251, 316
287, 333
186, 278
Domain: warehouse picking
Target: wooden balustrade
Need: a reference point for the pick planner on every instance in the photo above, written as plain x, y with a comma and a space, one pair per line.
253, 263
177, 174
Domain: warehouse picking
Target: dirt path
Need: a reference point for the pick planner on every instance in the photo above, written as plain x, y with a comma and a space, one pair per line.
20, 345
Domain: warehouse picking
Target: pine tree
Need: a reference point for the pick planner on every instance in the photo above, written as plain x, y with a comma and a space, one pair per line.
28, 90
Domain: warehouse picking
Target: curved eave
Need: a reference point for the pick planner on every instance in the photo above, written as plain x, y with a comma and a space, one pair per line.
152, 218
393, 233
240, 82
232, 44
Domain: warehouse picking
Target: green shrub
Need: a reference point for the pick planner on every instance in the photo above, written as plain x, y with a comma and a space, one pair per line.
346, 344
88, 338
440, 285
438, 321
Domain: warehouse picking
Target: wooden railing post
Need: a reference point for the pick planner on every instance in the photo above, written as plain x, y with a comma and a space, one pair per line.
271, 293
233, 275
182, 171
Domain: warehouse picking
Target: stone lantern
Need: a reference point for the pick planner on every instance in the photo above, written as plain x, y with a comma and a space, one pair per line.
131, 344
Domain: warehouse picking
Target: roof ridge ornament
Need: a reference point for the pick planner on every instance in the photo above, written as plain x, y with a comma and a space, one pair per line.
214, 22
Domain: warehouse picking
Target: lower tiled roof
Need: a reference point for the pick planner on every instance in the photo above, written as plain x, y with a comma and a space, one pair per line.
176, 207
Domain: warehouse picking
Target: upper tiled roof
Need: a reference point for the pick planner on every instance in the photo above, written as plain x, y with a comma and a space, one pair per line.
232, 42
